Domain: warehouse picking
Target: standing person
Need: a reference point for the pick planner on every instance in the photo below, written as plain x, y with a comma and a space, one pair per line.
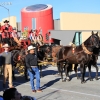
7, 65
31, 61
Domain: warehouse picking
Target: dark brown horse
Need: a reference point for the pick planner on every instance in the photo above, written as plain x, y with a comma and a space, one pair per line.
82, 55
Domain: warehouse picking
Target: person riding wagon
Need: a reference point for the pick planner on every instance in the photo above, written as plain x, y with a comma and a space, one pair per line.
6, 24
15, 37
40, 38
6, 36
33, 36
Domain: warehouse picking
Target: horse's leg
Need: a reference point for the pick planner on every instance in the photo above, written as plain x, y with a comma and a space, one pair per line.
75, 69
58, 68
96, 77
13, 73
82, 66
41, 71
25, 73
89, 68
40, 68
61, 71
67, 69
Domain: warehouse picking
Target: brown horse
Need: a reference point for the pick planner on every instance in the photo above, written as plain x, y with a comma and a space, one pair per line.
82, 55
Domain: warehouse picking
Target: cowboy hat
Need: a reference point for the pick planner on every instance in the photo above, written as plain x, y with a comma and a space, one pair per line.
5, 46
30, 47
6, 21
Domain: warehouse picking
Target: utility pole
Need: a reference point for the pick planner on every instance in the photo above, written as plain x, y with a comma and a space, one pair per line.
8, 12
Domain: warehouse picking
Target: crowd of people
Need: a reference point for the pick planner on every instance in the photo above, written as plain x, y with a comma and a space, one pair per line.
9, 34
31, 62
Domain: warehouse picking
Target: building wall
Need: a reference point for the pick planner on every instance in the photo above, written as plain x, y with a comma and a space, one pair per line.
19, 26
44, 19
65, 36
56, 24
79, 21
13, 21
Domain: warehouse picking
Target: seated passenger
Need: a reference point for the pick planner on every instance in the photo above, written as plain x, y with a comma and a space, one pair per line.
15, 36
6, 36
33, 36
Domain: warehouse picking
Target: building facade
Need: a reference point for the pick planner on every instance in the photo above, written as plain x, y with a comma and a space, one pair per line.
38, 16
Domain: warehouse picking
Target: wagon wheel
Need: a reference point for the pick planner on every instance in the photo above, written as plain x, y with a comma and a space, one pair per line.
21, 70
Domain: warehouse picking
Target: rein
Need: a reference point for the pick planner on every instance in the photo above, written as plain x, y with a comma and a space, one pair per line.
85, 49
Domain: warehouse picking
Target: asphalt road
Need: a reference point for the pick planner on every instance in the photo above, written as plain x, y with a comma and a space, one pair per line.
55, 89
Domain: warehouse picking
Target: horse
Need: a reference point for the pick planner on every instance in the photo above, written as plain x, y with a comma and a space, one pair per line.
82, 55
19, 57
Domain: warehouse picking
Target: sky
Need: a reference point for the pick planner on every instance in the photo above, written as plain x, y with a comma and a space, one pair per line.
81, 6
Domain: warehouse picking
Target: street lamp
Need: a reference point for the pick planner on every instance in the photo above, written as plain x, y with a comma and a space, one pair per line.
8, 12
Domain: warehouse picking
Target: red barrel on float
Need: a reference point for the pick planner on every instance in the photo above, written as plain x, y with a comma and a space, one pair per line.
36, 16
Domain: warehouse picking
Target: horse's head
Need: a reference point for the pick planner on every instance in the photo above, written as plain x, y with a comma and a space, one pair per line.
93, 40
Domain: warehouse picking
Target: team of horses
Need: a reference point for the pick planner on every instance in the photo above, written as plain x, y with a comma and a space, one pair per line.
84, 55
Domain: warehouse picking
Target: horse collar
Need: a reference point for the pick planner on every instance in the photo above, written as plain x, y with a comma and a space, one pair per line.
85, 49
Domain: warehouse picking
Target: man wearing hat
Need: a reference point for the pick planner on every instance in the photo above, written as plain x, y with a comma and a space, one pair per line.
7, 25
31, 61
15, 37
5, 36
7, 65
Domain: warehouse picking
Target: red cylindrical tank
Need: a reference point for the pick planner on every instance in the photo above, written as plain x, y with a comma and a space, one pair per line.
42, 16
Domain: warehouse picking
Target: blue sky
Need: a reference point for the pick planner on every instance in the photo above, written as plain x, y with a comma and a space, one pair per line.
82, 6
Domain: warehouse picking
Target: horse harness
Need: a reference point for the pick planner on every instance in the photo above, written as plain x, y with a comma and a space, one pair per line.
73, 51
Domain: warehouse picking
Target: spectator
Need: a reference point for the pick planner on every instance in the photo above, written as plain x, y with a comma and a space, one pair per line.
7, 65
12, 94
1, 97
28, 98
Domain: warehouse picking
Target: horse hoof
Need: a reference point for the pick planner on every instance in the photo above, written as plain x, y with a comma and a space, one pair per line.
78, 78
63, 80
68, 80
91, 79
83, 82
96, 78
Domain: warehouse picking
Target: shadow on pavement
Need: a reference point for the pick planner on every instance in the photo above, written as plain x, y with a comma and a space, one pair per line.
50, 83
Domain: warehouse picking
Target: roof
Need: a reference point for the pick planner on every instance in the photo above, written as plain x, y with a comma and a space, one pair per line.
36, 7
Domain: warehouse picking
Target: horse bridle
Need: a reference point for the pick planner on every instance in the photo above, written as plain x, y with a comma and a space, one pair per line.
86, 50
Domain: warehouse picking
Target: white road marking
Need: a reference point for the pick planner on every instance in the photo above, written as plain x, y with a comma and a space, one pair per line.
62, 90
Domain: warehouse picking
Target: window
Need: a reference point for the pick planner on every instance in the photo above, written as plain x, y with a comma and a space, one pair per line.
77, 38
33, 23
